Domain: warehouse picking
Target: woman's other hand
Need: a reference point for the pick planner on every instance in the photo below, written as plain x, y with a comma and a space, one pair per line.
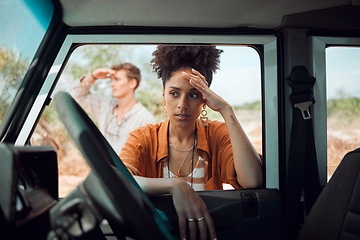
192, 212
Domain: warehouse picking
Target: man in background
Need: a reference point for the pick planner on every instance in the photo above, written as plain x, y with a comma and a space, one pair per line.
118, 115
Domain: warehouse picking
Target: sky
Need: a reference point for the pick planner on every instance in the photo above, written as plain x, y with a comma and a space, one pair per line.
240, 69
238, 81
343, 71
23, 33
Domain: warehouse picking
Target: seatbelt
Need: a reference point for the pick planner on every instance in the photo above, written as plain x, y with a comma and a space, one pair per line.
302, 170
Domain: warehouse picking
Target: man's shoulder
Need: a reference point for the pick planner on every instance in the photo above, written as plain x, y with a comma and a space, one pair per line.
144, 113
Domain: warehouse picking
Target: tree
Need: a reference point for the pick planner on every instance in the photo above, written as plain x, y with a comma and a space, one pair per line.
12, 71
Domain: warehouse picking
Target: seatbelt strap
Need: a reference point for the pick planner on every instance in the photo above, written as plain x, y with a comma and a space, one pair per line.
302, 170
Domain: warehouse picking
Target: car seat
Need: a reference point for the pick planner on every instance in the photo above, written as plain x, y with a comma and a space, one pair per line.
336, 213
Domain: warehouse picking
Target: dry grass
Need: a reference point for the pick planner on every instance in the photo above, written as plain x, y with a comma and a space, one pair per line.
343, 136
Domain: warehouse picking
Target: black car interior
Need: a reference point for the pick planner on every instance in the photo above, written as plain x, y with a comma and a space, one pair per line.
336, 213
25, 203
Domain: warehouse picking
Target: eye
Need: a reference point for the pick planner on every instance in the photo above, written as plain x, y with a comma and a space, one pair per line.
194, 95
174, 94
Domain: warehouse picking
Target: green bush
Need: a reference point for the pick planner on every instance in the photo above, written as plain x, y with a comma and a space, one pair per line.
348, 107
249, 106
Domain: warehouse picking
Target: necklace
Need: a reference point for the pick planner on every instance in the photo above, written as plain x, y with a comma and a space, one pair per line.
181, 150
179, 166
192, 158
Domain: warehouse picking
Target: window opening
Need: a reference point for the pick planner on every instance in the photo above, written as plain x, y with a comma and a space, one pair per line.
238, 81
343, 103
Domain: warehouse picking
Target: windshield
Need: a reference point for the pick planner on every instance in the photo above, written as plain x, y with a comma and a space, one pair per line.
23, 25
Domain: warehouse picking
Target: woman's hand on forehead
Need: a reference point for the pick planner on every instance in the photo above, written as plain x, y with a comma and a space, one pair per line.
196, 79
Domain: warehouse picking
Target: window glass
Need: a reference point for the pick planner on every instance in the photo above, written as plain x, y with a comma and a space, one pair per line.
343, 103
23, 25
238, 81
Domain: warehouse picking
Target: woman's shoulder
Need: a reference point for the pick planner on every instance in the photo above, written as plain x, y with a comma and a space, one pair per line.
148, 128
216, 125
147, 135
217, 129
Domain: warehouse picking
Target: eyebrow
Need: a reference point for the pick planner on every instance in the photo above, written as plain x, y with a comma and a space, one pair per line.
176, 88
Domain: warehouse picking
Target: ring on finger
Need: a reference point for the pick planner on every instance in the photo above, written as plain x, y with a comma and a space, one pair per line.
200, 219
190, 220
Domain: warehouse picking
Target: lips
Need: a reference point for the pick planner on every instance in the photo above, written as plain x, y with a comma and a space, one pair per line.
182, 116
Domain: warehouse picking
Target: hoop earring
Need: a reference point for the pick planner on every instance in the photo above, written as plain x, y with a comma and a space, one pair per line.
204, 120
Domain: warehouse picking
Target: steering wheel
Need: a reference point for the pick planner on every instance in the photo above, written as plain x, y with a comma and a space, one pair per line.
123, 192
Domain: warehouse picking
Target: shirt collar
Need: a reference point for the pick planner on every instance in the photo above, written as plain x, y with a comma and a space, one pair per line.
202, 142
127, 115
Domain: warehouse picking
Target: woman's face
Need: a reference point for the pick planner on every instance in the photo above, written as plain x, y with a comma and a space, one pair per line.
183, 102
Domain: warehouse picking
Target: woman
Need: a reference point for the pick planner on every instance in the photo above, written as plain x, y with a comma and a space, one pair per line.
184, 153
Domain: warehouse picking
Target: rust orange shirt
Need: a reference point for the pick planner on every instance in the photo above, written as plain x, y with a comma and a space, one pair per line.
146, 151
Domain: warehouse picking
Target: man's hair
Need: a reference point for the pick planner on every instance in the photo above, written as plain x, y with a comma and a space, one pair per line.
132, 72
169, 59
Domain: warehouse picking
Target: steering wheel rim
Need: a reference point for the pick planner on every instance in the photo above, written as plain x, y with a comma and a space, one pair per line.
136, 208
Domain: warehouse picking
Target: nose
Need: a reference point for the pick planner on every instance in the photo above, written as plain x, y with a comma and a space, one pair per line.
183, 102
111, 83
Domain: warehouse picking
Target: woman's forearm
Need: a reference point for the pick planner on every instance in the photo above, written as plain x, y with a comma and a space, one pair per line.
246, 160
156, 186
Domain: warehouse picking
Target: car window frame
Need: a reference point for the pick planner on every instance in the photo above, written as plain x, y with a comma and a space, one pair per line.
319, 45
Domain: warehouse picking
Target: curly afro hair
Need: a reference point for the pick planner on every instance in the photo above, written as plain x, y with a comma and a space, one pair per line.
169, 59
